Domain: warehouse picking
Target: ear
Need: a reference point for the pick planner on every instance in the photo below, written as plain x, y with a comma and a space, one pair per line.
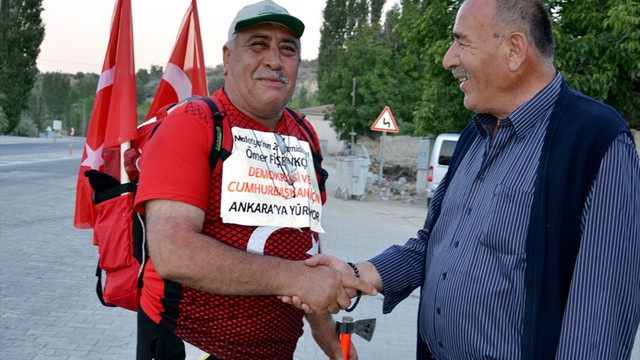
226, 54
518, 48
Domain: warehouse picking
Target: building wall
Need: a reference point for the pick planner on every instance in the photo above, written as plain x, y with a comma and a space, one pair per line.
398, 149
326, 134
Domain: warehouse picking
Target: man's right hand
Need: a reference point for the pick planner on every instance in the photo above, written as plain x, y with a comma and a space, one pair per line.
323, 289
368, 274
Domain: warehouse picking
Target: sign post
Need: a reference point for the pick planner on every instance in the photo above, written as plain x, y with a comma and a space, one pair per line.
57, 126
384, 123
71, 140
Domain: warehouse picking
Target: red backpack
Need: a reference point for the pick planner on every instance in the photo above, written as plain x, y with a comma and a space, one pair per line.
119, 230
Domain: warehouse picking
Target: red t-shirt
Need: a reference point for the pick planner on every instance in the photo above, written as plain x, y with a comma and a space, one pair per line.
175, 166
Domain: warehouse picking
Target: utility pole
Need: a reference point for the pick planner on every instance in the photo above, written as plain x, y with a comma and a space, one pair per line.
39, 112
353, 103
84, 118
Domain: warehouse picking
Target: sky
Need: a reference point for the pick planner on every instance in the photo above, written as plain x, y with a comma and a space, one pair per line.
77, 31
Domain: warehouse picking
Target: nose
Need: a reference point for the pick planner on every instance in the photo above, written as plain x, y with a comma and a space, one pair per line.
450, 59
273, 59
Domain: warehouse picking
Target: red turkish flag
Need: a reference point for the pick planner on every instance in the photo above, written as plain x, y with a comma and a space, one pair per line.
185, 74
114, 116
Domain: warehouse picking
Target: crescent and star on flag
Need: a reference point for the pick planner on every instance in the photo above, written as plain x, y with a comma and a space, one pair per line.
94, 158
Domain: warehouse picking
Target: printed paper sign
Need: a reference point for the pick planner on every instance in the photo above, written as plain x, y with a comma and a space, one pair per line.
265, 183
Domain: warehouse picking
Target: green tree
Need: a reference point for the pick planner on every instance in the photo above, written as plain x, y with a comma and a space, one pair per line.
142, 79
599, 51
331, 40
34, 104
156, 72
215, 78
4, 123
80, 115
386, 73
26, 127
372, 68
56, 88
397, 65
21, 33
81, 97
341, 19
440, 108
303, 100
376, 10
84, 85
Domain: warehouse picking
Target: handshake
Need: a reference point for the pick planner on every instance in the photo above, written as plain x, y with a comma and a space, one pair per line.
327, 284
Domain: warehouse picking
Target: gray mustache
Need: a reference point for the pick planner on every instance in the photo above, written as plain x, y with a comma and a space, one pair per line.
459, 72
270, 75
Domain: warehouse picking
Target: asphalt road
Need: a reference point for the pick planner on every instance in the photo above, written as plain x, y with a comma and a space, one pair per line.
48, 306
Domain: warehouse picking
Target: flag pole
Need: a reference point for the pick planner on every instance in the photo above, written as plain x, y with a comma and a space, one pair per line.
185, 74
113, 118
124, 177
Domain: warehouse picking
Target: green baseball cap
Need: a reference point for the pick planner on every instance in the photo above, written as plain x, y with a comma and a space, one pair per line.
265, 12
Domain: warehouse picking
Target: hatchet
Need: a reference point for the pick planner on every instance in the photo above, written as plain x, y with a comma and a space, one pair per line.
363, 328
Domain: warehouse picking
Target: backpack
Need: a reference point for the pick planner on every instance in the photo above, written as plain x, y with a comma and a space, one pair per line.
119, 230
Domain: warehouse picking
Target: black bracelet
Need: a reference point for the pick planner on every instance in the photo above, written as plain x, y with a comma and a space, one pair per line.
359, 293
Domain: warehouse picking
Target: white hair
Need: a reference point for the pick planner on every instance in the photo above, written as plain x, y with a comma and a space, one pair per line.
231, 42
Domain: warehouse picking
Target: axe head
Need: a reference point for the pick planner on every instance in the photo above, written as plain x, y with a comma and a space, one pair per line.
363, 328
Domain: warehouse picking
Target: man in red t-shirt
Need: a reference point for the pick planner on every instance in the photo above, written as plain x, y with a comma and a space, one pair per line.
224, 245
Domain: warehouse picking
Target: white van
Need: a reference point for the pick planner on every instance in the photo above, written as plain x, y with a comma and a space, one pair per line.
439, 162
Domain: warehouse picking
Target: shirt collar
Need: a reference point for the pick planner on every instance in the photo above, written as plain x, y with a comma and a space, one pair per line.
527, 115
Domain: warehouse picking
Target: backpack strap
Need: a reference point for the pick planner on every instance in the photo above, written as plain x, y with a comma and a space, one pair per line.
105, 187
217, 151
315, 147
110, 193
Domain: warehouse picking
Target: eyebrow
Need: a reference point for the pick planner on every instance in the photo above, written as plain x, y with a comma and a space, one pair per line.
292, 42
458, 36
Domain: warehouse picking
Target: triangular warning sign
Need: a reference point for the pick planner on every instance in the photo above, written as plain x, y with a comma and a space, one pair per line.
385, 122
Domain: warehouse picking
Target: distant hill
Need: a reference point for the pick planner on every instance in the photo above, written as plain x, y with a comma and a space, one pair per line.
307, 76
